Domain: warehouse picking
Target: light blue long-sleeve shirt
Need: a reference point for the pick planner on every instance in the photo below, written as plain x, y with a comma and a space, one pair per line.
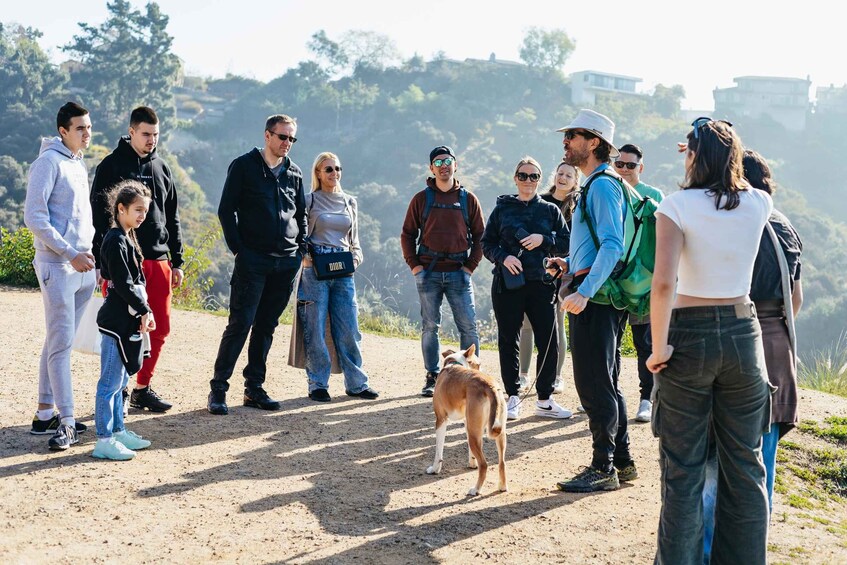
605, 203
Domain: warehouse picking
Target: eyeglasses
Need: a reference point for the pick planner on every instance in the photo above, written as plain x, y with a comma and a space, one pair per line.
534, 177
702, 121
571, 133
283, 137
447, 162
336, 168
622, 164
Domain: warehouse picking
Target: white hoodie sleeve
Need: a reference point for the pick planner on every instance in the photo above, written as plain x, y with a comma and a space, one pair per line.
43, 174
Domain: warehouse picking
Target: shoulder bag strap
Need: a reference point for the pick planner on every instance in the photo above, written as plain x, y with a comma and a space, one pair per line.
786, 288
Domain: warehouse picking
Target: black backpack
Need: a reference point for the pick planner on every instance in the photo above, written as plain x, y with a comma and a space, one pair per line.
429, 204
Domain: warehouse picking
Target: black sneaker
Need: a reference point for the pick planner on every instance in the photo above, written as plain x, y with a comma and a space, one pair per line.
44, 427
258, 398
591, 480
367, 394
64, 437
320, 395
626, 471
146, 397
429, 387
217, 403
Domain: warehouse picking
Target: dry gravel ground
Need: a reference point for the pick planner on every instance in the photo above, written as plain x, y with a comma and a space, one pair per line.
328, 483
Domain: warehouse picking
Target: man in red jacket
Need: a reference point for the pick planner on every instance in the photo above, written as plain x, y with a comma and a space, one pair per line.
441, 244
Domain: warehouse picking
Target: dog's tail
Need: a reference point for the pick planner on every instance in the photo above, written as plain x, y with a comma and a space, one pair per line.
497, 417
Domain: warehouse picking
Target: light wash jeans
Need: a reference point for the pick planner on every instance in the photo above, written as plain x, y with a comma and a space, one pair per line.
335, 298
109, 402
65, 294
710, 490
432, 288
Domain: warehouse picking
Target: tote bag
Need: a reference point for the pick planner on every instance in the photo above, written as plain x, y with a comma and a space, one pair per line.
87, 338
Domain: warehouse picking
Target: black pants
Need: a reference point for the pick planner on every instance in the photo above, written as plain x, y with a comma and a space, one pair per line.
534, 300
595, 341
643, 348
260, 288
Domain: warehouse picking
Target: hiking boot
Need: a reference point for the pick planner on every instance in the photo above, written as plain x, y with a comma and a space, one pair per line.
258, 398
626, 471
558, 386
429, 388
523, 382
513, 408
147, 398
64, 437
591, 480
131, 440
112, 449
551, 410
44, 427
217, 403
645, 411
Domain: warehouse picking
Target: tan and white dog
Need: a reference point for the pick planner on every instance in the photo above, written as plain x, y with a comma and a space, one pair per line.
462, 392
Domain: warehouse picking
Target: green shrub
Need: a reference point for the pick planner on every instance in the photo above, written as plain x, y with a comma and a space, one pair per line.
16, 255
195, 291
827, 369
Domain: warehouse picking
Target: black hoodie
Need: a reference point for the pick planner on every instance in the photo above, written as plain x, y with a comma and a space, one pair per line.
260, 211
160, 234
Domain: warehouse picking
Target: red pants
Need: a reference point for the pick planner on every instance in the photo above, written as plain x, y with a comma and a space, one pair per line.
158, 275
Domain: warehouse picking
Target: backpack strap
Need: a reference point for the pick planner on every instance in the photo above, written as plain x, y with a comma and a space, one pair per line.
786, 287
429, 204
629, 194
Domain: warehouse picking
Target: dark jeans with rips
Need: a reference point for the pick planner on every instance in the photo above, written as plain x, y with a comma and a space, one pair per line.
643, 348
535, 301
716, 376
596, 335
260, 288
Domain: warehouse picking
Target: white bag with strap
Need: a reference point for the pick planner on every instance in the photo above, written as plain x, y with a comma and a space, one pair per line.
87, 338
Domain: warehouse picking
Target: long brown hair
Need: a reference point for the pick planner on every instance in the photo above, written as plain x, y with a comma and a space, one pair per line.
717, 164
125, 193
568, 205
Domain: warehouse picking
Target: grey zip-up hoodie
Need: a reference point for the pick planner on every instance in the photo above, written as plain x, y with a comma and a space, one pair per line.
57, 210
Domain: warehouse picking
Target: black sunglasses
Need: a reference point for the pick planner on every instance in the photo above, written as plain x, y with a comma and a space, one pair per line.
283, 137
336, 168
534, 177
622, 164
571, 133
702, 121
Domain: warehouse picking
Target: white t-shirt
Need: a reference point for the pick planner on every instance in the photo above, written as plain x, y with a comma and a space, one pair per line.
720, 245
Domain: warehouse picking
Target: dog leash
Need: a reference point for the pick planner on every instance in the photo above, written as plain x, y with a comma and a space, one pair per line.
530, 389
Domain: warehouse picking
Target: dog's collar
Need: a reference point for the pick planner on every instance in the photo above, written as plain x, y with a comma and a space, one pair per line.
453, 362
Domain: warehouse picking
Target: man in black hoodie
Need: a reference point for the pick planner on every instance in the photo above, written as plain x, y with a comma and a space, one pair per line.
160, 236
263, 215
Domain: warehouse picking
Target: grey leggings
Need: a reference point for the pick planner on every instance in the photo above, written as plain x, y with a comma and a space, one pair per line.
526, 343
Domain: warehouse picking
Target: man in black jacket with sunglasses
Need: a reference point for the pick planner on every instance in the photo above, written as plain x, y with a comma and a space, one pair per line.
263, 215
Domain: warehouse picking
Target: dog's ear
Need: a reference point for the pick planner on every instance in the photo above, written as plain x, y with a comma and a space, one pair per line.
447, 352
470, 351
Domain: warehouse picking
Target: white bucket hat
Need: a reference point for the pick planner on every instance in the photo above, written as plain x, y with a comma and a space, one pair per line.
596, 123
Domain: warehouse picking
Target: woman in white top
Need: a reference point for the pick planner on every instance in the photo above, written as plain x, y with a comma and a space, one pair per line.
707, 354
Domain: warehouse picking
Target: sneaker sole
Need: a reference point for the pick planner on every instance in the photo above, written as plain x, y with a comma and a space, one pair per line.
552, 415
51, 432
104, 458
62, 447
564, 488
156, 410
426, 394
643, 419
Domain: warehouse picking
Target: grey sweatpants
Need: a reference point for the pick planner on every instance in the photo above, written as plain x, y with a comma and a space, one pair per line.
65, 294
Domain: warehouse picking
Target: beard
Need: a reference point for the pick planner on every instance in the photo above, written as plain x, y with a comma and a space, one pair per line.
576, 158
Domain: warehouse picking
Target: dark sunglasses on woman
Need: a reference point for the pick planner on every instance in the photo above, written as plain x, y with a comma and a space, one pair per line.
534, 177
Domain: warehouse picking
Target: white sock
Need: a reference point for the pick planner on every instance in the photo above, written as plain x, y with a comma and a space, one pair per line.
104, 440
543, 403
44, 415
69, 421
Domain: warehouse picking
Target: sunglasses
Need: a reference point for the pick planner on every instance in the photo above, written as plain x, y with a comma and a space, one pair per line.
283, 137
336, 168
534, 177
622, 164
571, 133
702, 121
447, 162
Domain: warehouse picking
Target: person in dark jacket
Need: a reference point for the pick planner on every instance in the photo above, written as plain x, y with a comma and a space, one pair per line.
263, 215
522, 231
123, 319
160, 236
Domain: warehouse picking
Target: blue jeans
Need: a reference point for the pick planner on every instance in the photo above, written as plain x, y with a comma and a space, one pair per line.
710, 490
335, 298
715, 379
109, 402
432, 288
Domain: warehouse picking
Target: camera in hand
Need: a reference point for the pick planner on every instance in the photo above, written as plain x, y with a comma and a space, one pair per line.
547, 278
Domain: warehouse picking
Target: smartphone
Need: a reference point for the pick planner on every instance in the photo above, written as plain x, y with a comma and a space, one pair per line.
521, 234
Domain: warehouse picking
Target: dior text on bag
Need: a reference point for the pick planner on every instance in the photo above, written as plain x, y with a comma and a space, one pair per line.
332, 265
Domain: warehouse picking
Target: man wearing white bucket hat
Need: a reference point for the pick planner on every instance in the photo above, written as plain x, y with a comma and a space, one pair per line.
596, 329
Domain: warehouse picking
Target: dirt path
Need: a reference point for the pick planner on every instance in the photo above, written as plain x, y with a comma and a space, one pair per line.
332, 483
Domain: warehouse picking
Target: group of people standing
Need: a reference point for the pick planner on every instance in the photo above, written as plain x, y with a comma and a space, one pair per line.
551, 253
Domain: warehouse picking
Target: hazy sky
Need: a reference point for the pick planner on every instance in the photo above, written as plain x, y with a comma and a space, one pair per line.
698, 45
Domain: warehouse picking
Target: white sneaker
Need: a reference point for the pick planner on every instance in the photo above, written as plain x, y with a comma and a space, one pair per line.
550, 409
523, 382
645, 411
558, 386
513, 408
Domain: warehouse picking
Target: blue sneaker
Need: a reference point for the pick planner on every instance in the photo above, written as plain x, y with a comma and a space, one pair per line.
131, 440
112, 449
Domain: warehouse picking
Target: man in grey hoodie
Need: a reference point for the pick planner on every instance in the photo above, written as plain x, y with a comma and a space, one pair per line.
58, 213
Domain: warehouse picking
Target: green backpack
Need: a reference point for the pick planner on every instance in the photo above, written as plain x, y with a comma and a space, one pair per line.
628, 287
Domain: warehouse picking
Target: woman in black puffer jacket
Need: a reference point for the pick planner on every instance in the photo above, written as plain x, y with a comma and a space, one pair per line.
521, 232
